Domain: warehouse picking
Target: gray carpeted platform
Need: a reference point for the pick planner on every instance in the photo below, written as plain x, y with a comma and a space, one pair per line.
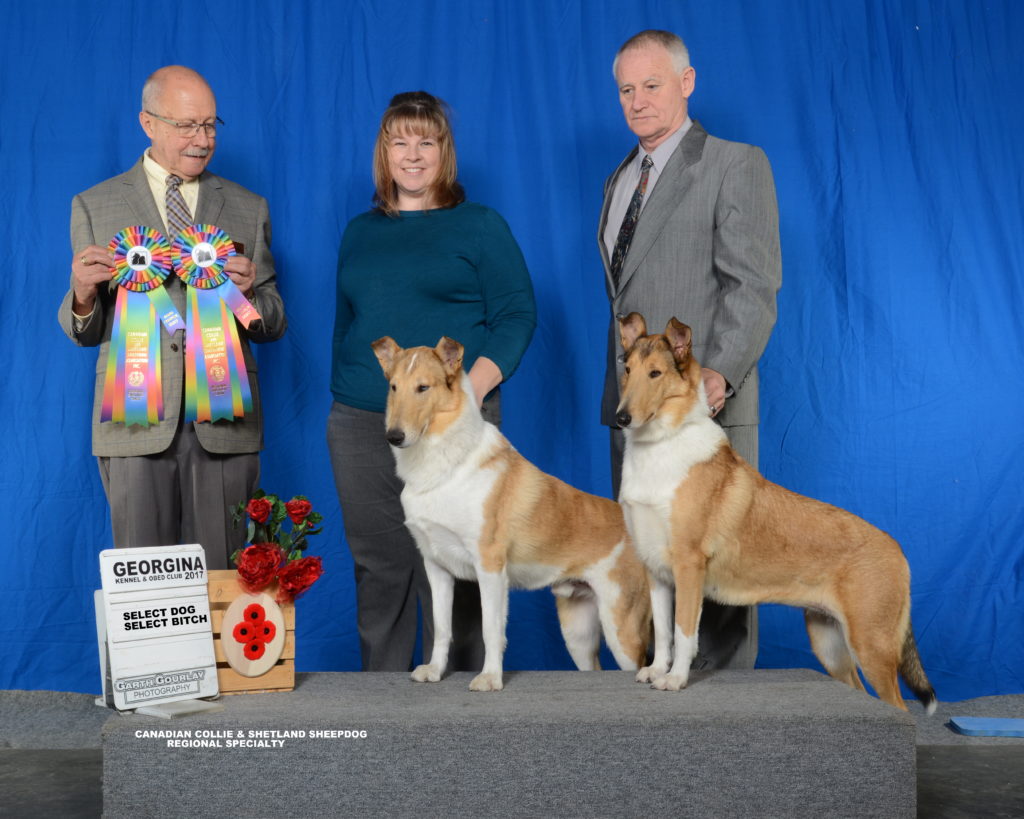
763, 743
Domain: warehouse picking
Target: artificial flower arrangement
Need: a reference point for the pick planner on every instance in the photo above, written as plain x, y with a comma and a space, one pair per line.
274, 554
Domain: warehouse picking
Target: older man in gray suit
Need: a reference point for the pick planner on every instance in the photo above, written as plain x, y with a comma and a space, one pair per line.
689, 228
172, 482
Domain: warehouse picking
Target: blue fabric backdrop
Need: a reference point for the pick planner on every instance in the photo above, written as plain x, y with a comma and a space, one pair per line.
893, 382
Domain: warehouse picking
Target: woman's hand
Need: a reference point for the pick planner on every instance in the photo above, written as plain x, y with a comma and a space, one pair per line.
484, 375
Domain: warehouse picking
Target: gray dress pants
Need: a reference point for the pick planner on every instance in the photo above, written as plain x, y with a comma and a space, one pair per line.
727, 635
181, 495
389, 573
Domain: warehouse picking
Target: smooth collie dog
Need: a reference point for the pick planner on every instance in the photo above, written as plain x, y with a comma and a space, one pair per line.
480, 511
706, 523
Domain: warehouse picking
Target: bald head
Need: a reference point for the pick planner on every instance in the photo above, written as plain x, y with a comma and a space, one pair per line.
170, 78
173, 98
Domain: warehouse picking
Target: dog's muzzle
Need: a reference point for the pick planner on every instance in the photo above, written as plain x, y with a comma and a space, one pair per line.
623, 419
395, 437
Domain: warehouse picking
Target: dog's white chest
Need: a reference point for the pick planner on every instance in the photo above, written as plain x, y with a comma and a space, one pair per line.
648, 525
447, 521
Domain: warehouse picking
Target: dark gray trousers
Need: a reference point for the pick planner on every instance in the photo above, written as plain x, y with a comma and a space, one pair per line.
180, 495
727, 635
389, 573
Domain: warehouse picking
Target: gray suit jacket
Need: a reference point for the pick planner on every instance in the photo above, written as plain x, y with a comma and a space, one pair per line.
96, 216
705, 250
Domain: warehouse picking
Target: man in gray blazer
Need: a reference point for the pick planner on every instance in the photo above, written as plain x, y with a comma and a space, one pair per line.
173, 482
689, 228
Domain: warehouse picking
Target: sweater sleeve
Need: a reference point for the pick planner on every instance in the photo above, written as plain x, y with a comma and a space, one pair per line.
510, 311
343, 313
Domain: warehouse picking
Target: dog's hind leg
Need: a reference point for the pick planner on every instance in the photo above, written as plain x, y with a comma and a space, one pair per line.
442, 586
879, 657
830, 647
581, 625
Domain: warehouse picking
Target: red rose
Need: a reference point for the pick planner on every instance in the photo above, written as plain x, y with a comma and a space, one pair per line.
298, 510
259, 509
258, 565
297, 576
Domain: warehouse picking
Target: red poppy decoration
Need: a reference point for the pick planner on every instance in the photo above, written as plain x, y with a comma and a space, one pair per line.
255, 630
254, 649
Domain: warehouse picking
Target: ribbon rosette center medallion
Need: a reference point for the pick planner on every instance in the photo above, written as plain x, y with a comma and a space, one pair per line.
216, 381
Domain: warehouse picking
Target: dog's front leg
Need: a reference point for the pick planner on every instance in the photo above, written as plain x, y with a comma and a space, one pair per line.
442, 586
494, 605
661, 608
689, 576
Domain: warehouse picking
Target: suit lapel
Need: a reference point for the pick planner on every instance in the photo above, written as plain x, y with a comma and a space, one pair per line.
663, 200
211, 200
136, 192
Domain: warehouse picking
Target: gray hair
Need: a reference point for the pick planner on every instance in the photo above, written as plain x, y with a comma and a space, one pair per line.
672, 43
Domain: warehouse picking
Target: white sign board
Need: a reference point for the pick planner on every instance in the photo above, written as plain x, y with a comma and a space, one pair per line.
158, 628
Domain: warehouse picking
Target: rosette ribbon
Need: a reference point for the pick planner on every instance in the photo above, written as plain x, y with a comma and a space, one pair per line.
132, 393
216, 382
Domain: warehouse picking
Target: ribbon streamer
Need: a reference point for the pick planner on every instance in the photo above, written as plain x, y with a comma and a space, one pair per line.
132, 392
216, 382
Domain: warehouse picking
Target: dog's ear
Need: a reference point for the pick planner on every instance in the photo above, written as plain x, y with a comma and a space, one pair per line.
630, 329
386, 349
450, 353
679, 339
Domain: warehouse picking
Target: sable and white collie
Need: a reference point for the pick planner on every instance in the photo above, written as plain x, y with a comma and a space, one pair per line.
706, 523
480, 511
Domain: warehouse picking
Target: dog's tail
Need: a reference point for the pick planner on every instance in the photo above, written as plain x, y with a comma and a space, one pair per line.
913, 673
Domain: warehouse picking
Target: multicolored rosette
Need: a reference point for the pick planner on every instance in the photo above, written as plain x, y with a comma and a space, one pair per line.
216, 382
132, 391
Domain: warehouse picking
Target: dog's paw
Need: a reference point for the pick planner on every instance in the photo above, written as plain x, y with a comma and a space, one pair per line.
486, 682
426, 673
669, 682
649, 673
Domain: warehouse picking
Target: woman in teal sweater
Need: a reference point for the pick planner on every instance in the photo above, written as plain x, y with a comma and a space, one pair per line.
424, 263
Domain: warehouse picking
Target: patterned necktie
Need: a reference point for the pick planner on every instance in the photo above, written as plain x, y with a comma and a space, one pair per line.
178, 217
629, 222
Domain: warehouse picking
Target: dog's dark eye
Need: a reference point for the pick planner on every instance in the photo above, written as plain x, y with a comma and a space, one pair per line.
654, 373
423, 388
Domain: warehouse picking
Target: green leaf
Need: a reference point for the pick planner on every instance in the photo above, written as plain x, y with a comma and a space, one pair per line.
235, 555
250, 532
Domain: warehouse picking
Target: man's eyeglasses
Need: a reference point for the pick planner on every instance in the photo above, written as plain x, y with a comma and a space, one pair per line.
190, 129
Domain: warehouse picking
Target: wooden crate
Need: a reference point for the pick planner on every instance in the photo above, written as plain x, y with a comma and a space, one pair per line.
223, 588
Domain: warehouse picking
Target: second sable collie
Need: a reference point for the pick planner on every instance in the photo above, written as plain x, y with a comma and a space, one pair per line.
480, 511
708, 525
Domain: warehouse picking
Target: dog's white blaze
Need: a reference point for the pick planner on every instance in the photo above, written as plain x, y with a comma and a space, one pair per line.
412, 362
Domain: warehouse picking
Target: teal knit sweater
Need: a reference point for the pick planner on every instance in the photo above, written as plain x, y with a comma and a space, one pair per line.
456, 272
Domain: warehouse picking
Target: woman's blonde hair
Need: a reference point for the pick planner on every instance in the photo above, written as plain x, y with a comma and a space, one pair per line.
416, 112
